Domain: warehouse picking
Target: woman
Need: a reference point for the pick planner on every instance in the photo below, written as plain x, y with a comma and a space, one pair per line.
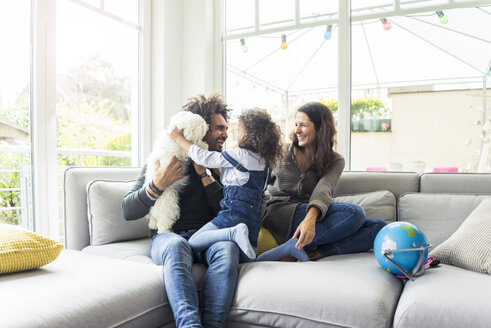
301, 193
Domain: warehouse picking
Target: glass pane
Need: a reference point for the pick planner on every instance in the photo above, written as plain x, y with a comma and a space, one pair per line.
276, 12
127, 9
240, 15
15, 158
312, 10
419, 92
281, 80
97, 86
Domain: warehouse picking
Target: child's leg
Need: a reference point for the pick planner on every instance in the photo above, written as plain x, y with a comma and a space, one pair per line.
210, 234
288, 248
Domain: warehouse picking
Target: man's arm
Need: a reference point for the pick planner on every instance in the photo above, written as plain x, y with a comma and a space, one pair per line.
136, 203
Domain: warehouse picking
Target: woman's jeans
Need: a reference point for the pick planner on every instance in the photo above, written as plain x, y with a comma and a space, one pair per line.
345, 229
222, 258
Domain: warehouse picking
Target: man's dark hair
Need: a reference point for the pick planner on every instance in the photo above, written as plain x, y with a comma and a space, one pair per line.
206, 107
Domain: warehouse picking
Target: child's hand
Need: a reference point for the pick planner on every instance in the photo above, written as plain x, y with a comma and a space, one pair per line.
175, 133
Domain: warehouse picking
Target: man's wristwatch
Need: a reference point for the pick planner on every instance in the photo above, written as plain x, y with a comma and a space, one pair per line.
205, 174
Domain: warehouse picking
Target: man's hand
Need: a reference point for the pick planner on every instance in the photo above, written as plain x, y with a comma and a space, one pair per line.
167, 175
199, 168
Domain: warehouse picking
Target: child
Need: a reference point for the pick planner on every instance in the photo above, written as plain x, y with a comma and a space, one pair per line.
244, 175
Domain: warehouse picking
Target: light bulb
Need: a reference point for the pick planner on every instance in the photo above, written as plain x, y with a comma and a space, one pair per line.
443, 17
328, 32
283, 45
243, 46
387, 24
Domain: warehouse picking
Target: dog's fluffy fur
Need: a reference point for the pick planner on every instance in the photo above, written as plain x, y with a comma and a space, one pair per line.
165, 212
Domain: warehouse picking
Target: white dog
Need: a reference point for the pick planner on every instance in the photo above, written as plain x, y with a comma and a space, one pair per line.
165, 212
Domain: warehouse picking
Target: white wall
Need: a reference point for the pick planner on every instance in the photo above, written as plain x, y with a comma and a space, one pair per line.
186, 55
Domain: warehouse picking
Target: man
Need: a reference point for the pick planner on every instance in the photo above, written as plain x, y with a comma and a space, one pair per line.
199, 203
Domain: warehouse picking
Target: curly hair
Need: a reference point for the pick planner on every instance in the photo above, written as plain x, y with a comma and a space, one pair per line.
262, 135
325, 133
206, 107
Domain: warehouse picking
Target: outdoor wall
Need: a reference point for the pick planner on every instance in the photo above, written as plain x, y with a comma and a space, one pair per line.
438, 128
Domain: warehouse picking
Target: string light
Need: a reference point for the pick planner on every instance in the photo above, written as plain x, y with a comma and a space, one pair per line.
387, 24
328, 33
243, 46
443, 17
283, 45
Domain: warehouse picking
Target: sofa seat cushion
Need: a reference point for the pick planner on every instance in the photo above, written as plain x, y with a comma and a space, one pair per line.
338, 291
83, 290
138, 251
445, 296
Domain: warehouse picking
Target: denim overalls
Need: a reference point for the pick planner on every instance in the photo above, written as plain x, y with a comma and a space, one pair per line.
242, 204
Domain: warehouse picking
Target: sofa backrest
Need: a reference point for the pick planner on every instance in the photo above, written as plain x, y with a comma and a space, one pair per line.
438, 215
75, 199
459, 183
353, 182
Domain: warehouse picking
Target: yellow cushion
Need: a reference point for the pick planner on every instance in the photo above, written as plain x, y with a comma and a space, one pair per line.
265, 241
22, 250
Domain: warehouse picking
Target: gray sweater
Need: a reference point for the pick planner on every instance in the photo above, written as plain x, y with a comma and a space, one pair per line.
290, 187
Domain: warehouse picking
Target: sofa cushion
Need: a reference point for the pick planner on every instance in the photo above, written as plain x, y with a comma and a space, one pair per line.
105, 214
138, 251
82, 290
377, 204
437, 215
470, 246
22, 250
75, 199
471, 183
352, 182
337, 291
445, 296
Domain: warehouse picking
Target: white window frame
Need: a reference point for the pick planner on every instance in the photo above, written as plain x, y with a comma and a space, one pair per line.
43, 121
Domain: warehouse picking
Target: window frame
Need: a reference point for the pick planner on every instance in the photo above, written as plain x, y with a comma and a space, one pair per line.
43, 120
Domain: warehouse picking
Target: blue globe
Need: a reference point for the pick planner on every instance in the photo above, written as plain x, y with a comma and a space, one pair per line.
396, 236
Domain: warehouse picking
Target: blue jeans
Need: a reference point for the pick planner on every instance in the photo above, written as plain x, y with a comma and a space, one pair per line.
222, 258
345, 229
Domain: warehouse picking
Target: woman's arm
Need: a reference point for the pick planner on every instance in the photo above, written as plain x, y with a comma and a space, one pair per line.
322, 195
319, 203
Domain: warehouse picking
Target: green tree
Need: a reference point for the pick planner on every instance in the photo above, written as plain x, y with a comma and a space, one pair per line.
362, 108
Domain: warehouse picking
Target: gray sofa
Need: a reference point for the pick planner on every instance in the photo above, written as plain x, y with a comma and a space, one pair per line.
99, 281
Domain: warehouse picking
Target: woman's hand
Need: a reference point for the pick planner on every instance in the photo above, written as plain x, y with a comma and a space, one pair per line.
306, 230
176, 133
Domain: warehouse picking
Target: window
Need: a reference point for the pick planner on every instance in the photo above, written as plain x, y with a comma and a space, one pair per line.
15, 155
419, 79
90, 50
283, 64
419, 75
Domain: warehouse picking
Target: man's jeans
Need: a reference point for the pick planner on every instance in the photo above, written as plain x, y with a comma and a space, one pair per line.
222, 259
345, 229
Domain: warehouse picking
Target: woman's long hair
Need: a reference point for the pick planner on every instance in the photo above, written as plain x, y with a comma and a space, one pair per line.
262, 135
325, 133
